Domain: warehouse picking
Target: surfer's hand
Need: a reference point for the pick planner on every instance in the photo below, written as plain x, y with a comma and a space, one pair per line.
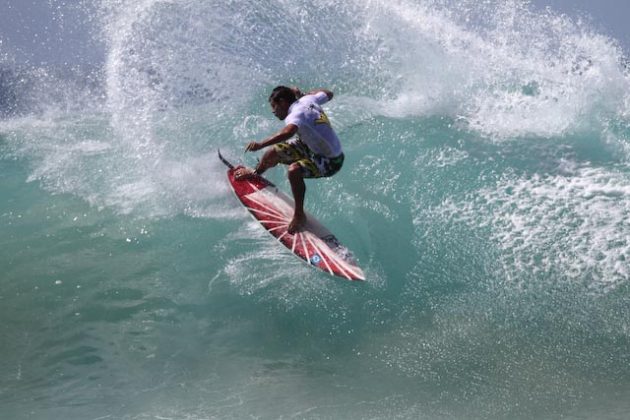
253, 146
298, 93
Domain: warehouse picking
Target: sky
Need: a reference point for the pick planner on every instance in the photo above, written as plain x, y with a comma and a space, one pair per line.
609, 17
55, 32
51, 31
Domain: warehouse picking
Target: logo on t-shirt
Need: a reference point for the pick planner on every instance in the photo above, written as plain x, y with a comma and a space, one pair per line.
323, 119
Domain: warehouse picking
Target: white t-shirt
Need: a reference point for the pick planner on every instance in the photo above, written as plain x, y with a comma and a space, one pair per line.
314, 129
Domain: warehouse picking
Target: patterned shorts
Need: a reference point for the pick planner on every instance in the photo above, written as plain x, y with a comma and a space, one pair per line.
311, 164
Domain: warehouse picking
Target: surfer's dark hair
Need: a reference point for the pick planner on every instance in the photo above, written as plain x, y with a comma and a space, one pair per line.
282, 92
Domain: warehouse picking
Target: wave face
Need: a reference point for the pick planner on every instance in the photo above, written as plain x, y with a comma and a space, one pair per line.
485, 193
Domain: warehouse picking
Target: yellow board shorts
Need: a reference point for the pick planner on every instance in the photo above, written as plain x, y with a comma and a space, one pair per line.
311, 164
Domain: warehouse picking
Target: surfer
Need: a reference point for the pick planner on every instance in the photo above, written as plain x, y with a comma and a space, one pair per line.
315, 152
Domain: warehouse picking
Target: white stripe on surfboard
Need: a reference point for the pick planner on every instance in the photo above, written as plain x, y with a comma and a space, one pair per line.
294, 241
343, 265
347, 266
304, 248
322, 253
264, 213
266, 206
282, 222
283, 225
257, 192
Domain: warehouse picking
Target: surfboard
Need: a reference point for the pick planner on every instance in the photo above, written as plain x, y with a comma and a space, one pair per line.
273, 209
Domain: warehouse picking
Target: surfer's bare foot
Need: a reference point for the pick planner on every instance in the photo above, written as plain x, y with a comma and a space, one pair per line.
243, 173
297, 223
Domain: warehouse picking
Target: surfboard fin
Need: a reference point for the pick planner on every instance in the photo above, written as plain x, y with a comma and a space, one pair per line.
224, 160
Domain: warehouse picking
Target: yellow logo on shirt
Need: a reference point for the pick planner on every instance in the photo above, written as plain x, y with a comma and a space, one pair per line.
323, 119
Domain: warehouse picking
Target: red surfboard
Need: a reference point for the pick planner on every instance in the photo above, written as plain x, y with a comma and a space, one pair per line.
314, 244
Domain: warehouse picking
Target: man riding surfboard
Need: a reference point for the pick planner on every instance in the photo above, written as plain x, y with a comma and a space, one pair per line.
316, 151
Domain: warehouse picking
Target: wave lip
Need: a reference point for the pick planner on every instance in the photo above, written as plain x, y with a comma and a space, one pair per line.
503, 68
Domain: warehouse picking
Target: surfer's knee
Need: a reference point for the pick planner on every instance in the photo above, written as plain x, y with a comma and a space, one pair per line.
270, 157
295, 172
270, 153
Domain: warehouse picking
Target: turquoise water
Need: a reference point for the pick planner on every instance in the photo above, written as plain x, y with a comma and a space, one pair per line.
485, 193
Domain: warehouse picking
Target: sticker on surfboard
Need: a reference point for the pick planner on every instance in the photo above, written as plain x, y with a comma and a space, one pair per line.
273, 209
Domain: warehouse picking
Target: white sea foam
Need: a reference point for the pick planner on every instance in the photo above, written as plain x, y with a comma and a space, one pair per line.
575, 227
504, 68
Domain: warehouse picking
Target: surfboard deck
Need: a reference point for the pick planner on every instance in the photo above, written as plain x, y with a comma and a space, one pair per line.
273, 209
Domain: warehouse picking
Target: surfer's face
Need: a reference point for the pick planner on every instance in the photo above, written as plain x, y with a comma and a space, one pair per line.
280, 108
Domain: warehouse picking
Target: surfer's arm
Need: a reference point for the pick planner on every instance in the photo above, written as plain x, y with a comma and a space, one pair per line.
328, 93
285, 134
299, 94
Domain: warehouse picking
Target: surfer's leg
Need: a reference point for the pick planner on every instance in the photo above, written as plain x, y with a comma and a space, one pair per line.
298, 188
269, 160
